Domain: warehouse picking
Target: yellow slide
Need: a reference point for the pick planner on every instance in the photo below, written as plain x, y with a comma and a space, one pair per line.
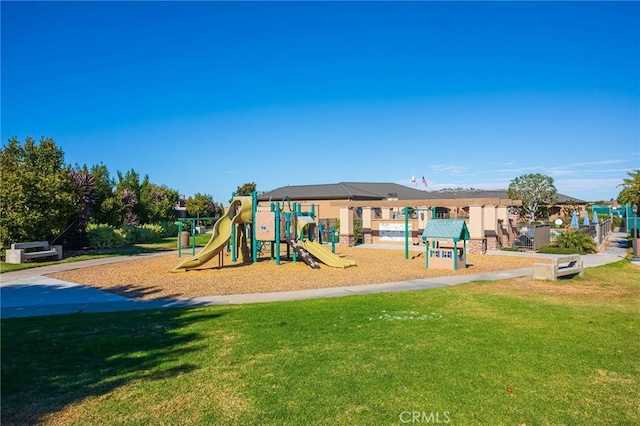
317, 250
325, 255
240, 211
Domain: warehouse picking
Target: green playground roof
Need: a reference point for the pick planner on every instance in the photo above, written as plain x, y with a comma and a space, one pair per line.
455, 229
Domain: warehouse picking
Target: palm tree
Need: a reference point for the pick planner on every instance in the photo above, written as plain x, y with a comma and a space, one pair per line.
630, 193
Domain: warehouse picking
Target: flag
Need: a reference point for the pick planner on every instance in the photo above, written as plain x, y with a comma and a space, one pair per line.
424, 181
413, 180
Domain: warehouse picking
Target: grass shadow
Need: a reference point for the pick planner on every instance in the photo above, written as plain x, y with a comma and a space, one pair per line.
49, 363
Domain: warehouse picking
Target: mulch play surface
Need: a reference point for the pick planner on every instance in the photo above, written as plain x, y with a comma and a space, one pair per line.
151, 278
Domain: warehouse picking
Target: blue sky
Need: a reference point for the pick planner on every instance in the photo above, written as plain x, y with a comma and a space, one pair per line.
205, 96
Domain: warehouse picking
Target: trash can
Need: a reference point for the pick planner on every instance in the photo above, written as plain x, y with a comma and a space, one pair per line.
184, 239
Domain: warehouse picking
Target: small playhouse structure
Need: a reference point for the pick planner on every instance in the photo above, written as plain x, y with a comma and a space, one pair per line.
441, 238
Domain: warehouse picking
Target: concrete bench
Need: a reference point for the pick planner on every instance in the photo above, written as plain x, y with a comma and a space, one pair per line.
559, 267
20, 252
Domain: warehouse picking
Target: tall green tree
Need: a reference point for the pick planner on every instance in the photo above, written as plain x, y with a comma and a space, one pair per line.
201, 205
107, 207
126, 200
158, 201
630, 193
246, 189
36, 195
535, 191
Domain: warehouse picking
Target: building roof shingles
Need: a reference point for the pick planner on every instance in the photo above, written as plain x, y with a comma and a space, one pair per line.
379, 191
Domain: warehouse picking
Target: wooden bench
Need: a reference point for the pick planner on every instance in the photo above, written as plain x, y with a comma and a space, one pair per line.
559, 267
20, 252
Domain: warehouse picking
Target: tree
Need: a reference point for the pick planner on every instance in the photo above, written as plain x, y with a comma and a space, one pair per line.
630, 193
158, 201
36, 195
128, 197
246, 189
201, 205
84, 203
130, 201
535, 191
107, 208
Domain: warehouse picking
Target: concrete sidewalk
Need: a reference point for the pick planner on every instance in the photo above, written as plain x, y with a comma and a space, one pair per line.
29, 293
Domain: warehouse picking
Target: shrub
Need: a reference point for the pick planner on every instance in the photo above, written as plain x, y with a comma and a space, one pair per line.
357, 231
145, 235
575, 241
103, 236
169, 229
128, 233
156, 230
123, 234
152, 232
550, 249
141, 234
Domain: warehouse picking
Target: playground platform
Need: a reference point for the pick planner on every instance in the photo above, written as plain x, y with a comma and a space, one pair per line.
29, 292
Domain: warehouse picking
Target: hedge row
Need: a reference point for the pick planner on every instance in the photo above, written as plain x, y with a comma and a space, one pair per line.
102, 236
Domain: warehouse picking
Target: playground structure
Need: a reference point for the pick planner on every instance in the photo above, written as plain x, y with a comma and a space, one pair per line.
246, 229
187, 239
441, 238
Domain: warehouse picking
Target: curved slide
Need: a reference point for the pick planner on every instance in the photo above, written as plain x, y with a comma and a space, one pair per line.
319, 251
239, 210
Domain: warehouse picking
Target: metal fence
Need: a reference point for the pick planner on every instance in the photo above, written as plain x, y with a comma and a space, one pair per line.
452, 215
532, 236
599, 231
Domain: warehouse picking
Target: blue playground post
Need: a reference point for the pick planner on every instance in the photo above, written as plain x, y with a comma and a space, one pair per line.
407, 236
296, 212
179, 237
277, 214
333, 239
287, 230
405, 211
192, 235
254, 210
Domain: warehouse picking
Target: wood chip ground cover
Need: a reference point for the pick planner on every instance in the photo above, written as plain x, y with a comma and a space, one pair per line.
151, 278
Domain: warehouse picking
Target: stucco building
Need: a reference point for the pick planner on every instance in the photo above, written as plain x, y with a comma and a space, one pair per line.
371, 212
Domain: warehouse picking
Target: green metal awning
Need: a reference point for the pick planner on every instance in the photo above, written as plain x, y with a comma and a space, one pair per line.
455, 229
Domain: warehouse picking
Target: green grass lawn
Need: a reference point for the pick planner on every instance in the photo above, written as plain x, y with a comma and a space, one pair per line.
481, 353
